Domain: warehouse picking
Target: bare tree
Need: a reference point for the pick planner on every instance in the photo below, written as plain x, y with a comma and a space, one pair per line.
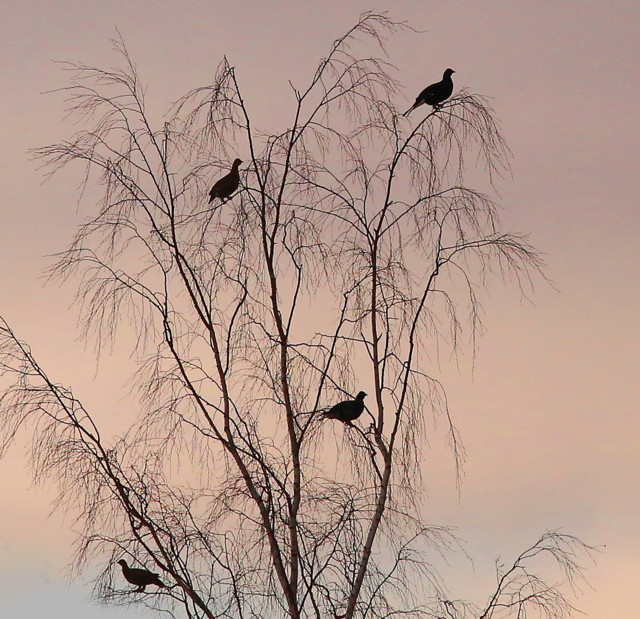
342, 260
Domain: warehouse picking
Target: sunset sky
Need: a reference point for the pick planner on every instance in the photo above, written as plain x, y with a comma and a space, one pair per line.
548, 410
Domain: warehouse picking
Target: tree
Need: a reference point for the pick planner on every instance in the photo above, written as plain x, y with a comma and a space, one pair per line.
343, 259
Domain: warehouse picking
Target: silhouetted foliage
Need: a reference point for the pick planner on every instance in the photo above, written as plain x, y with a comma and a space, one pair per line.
348, 250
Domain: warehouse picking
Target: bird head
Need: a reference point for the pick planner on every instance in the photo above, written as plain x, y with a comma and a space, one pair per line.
123, 563
361, 395
237, 162
449, 72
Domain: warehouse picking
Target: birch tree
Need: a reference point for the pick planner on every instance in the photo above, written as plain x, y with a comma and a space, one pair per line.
351, 254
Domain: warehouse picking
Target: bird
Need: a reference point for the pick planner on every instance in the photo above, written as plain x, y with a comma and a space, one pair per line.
435, 94
347, 411
139, 577
224, 187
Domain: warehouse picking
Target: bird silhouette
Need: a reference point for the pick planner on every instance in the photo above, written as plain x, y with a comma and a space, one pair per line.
347, 411
139, 577
224, 187
435, 94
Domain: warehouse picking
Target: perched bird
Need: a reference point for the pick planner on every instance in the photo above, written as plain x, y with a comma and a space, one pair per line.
347, 411
436, 93
227, 184
140, 578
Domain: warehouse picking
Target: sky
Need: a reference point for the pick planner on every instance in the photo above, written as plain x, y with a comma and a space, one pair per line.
548, 409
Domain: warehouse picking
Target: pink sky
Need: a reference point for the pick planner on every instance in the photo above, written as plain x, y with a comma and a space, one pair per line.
550, 415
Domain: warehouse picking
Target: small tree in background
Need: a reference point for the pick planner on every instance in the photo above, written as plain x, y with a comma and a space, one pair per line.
341, 264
